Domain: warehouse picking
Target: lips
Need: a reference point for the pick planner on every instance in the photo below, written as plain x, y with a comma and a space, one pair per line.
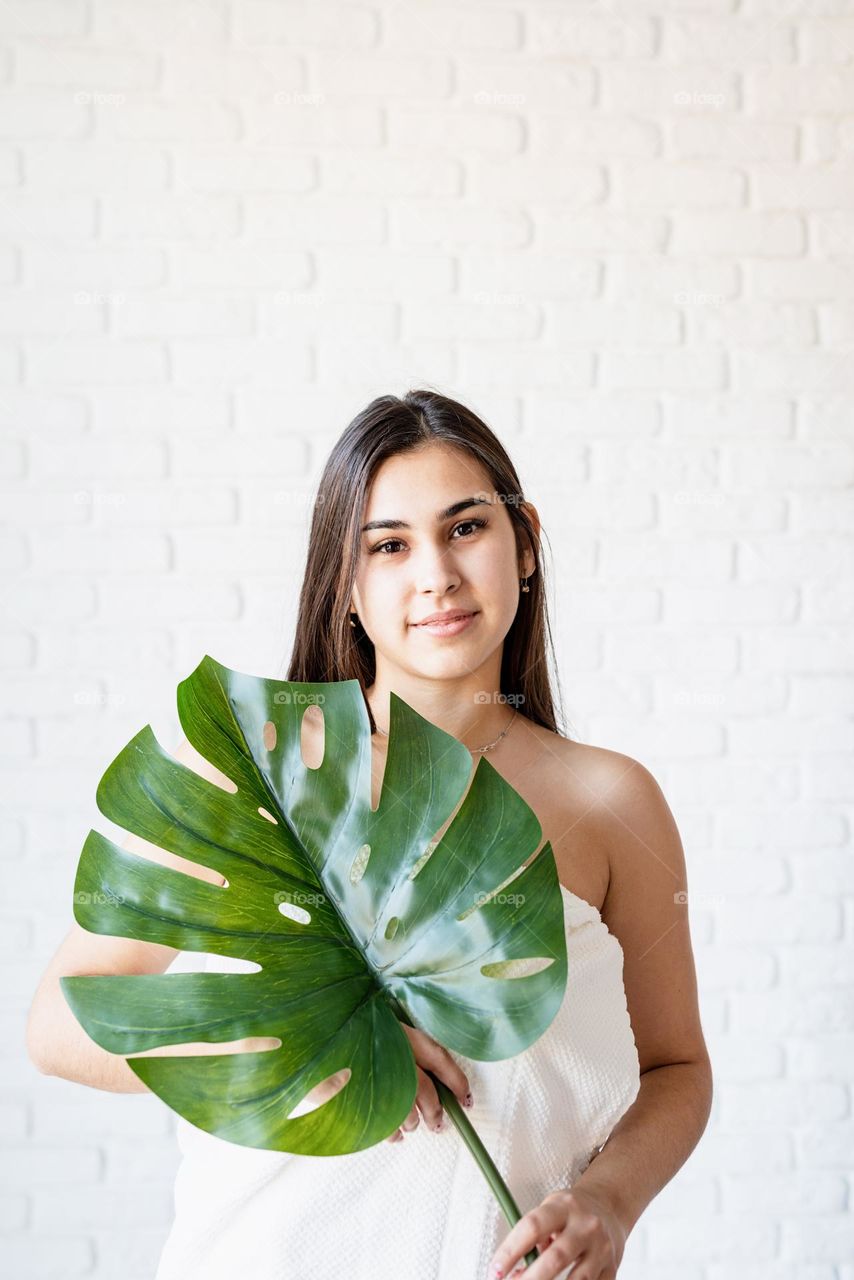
448, 616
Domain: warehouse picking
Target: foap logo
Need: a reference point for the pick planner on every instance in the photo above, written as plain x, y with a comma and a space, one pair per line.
284, 697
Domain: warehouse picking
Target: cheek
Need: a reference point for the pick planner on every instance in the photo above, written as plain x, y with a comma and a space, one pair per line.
495, 574
380, 590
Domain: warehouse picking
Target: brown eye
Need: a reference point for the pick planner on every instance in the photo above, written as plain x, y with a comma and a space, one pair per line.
476, 524
396, 542
390, 542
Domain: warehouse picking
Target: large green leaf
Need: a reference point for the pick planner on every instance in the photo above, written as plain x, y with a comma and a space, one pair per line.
357, 918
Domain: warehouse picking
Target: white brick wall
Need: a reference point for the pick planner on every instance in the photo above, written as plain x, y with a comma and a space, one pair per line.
623, 232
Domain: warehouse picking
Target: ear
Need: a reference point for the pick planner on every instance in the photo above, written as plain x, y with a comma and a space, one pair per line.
527, 561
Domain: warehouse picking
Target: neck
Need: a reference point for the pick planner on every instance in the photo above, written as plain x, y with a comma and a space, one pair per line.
469, 707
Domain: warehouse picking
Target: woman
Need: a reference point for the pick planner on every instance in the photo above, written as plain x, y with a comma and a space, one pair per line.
424, 578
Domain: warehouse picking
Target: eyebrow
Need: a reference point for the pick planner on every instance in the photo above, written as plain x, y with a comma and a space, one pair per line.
452, 510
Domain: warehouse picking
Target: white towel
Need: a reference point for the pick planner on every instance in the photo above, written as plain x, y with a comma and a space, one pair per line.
421, 1208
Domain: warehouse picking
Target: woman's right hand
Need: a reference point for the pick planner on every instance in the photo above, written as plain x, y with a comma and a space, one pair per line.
431, 1056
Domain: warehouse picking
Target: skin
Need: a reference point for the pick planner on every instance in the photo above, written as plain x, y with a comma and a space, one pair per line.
432, 566
613, 835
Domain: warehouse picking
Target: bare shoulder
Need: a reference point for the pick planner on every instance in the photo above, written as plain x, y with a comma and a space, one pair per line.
645, 906
570, 786
597, 775
624, 799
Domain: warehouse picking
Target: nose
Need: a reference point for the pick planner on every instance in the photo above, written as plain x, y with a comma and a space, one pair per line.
436, 573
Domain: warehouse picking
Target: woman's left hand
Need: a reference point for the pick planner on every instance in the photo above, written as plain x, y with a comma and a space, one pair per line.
568, 1226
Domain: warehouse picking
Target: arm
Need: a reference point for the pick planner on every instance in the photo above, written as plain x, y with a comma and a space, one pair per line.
652, 1141
56, 1042
646, 909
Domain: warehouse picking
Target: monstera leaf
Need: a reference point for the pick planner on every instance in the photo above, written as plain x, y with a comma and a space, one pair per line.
358, 919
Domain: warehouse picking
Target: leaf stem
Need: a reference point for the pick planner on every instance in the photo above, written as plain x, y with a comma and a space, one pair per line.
470, 1137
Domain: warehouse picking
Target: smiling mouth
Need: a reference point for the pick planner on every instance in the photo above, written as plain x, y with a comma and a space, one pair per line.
451, 625
445, 618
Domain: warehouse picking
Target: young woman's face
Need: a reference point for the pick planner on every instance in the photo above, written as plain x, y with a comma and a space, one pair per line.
464, 561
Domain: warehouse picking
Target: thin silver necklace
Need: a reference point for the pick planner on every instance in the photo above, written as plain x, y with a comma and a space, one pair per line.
489, 745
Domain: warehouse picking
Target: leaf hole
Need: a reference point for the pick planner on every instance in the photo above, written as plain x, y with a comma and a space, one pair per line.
291, 911
199, 764
523, 967
360, 863
268, 816
321, 1093
391, 928
312, 736
484, 899
424, 859
203, 1048
212, 962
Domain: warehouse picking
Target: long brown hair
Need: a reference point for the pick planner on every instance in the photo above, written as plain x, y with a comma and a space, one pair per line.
326, 647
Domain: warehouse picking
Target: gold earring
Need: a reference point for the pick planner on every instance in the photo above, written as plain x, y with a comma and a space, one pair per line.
524, 582
352, 616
